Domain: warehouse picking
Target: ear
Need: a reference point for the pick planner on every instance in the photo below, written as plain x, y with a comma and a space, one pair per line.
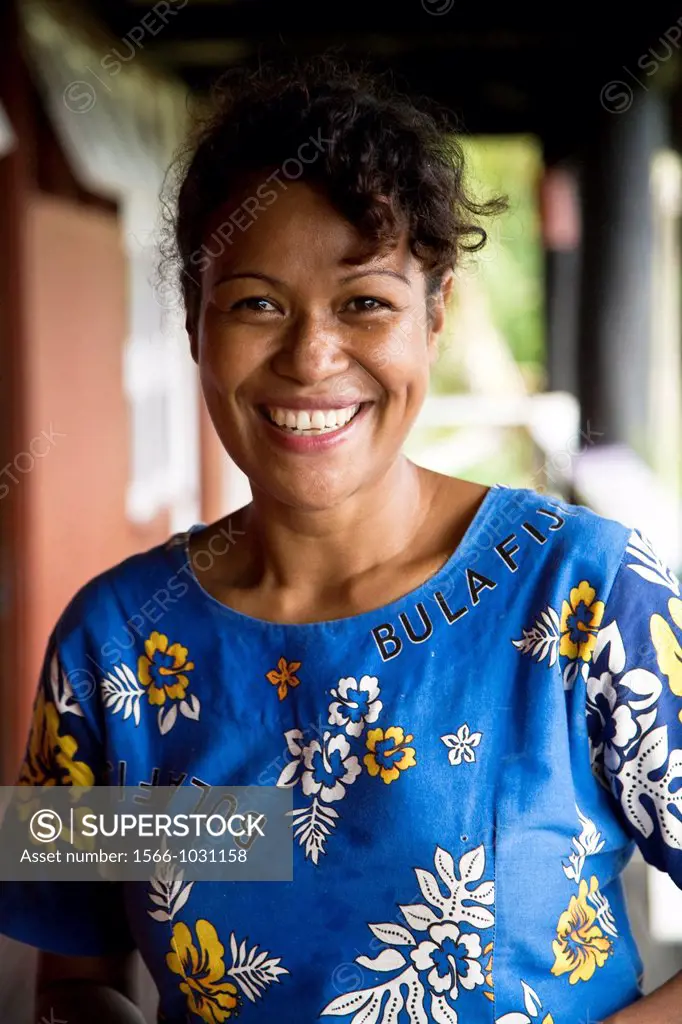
438, 303
191, 328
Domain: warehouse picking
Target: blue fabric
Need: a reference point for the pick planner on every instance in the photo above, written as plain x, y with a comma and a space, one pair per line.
472, 765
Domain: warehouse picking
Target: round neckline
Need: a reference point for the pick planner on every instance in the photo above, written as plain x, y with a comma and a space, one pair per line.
179, 548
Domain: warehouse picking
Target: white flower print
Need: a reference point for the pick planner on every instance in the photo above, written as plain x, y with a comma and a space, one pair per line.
619, 711
440, 962
462, 745
324, 770
330, 767
616, 724
451, 957
355, 703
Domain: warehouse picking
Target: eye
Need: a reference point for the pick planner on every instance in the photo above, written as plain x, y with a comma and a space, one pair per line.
256, 304
367, 304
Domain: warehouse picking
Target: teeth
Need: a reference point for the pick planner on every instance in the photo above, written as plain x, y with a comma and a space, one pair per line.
317, 421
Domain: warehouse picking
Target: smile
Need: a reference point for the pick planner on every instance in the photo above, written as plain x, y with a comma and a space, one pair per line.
310, 423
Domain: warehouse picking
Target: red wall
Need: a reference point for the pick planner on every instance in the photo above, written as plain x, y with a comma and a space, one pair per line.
76, 304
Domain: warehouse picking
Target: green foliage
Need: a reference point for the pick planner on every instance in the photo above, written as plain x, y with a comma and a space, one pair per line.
510, 264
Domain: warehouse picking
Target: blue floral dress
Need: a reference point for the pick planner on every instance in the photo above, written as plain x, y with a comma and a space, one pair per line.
471, 767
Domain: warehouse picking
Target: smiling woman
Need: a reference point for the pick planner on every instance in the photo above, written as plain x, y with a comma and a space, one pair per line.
473, 693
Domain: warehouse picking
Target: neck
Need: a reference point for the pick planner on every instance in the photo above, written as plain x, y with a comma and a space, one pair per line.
315, 550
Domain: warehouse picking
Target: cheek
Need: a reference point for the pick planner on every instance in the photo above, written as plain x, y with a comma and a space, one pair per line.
402, 358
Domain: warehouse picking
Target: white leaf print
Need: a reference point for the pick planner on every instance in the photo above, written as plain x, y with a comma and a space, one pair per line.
588, 842
393, 1006
387, 960
167, 721
191, 708
471, 867
415, 1001
445, 866
531, 1000
637, 782
253, 973
311, 825
478, 916
159, 915
393, 934
572, 671
513, 1018
471, 864
345, 1004
542, 639
604, 913
441, 1012
429, 888
651, 568
418, 916
182, 898
484, 893
169, 891
120, 689
367, 1003
62, 691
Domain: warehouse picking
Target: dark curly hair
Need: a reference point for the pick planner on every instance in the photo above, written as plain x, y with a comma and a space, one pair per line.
386, 162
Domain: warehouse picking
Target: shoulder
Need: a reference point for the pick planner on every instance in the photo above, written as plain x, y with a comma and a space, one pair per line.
132, 591
568, 539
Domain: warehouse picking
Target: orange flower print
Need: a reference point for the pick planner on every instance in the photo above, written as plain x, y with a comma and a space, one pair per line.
389, 753
283, 676
581, 618
209, 994
580, 946
162, 669
488, 967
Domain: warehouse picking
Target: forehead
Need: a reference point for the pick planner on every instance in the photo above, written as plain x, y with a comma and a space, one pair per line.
293, 227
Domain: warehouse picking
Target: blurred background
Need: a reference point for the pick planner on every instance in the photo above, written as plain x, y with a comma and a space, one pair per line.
561, 368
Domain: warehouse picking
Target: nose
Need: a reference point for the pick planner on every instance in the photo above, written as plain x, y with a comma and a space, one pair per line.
310, 351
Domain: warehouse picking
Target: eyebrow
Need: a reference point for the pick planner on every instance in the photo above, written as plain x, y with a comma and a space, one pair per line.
250, 273
372, 273
344, 280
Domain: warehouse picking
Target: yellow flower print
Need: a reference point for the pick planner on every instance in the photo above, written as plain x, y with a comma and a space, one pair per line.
580, 946
162, 668
50, 757
208, 995
581, 618
283, 676
489, 971
668, 647
389, 754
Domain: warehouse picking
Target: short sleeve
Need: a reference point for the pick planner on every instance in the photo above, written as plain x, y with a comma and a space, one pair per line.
72, 918
634, 704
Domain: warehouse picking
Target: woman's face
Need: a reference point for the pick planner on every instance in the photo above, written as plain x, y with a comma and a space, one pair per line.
314, 354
